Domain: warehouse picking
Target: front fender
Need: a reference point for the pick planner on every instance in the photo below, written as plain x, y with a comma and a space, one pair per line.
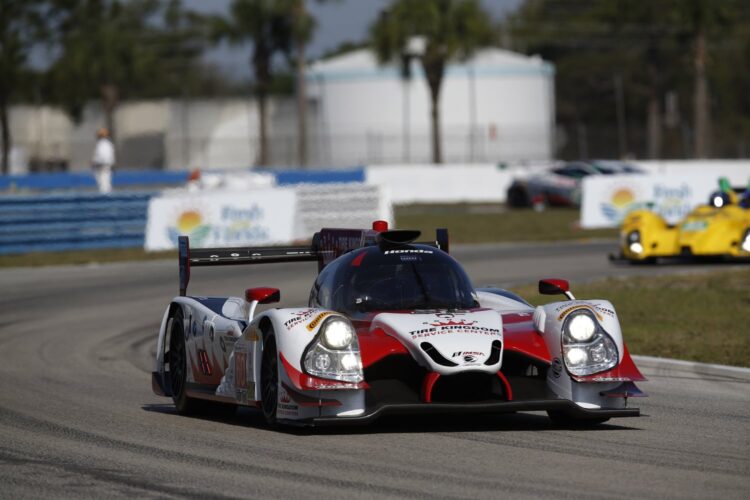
588, 390
656, 236
300, 395
295, 329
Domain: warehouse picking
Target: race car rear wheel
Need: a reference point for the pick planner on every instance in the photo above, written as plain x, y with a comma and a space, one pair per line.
269, 377
178, 366
518, 197
563, 419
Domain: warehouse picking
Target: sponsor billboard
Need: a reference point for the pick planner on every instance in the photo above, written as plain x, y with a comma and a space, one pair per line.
607, 199
221, 218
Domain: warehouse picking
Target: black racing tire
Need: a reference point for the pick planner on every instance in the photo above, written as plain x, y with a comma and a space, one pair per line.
269, 378
564, 419
518, 197
540, 202
178, 367
648, 261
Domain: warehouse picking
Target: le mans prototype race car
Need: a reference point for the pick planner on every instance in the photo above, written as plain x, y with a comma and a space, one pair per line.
719, 229
392, 327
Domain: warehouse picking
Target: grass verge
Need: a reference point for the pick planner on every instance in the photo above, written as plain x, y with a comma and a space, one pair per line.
37, 259
699, 317
471, 224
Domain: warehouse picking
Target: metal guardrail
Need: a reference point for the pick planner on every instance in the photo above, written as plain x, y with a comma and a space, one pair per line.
85, 180
72, 222
142, 178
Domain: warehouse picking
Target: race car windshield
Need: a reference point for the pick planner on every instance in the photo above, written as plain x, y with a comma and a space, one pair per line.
403, 279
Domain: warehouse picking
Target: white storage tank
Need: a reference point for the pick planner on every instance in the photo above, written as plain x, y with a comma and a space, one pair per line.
497, 106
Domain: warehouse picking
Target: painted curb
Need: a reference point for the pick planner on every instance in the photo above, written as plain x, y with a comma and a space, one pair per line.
692, 364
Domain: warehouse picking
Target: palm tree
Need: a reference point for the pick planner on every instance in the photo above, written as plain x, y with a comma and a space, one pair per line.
105, 51
266, 25
451, 29
20, 28
299, 27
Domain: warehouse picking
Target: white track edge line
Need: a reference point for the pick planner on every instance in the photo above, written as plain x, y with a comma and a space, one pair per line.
679, 362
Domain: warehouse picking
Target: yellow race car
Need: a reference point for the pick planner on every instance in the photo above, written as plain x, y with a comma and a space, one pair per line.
720, 229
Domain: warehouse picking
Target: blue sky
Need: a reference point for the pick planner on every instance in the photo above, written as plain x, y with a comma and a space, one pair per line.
337, 22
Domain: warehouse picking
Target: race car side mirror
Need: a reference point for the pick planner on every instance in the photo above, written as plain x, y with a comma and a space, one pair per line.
263, 295
554, 286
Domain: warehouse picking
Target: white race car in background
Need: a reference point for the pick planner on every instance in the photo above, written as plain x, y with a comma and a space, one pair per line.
391, 327
561, 185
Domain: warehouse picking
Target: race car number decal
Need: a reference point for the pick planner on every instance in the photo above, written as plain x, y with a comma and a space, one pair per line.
240, 369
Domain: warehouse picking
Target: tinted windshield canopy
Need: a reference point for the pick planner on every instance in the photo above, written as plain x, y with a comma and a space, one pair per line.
404, 278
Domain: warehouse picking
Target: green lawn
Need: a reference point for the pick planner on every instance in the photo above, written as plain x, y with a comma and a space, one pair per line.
488, 223
699, 317
36, 259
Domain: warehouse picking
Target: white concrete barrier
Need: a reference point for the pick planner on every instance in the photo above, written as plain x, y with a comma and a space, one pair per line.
737, 171
480, 183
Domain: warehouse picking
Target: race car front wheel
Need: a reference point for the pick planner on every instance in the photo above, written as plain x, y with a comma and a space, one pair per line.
177, 356
269, 378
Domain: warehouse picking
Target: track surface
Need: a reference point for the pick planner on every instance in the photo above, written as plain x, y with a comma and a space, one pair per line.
78, 419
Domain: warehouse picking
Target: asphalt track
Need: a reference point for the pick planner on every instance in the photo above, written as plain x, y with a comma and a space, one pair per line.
78, 419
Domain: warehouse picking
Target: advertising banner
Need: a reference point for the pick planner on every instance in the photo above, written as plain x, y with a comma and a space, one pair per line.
221, 218
607, 199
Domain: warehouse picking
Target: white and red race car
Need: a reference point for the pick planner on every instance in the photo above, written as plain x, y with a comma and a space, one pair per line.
391, 327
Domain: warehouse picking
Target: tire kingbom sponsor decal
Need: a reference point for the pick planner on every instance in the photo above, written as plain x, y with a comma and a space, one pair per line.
299, 318
608, 312
451, 322
441, 330
286, 406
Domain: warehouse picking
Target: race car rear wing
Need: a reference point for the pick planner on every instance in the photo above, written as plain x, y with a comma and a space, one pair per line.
327, 245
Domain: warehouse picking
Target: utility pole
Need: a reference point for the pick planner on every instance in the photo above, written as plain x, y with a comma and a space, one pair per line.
622, 132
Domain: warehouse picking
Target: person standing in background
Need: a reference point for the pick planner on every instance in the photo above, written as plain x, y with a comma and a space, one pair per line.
103, 160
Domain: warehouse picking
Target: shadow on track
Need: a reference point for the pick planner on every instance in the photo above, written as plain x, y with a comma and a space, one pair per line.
509, 422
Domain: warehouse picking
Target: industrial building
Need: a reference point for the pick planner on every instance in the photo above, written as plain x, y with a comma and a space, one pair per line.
496, 107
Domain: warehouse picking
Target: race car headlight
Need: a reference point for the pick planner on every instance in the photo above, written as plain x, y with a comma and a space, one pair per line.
587, 348
746, 241
334, 354
337, 333
581, 327
634, 242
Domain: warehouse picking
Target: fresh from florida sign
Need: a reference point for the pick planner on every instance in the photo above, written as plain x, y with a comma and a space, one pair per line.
221, 218
607, 199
